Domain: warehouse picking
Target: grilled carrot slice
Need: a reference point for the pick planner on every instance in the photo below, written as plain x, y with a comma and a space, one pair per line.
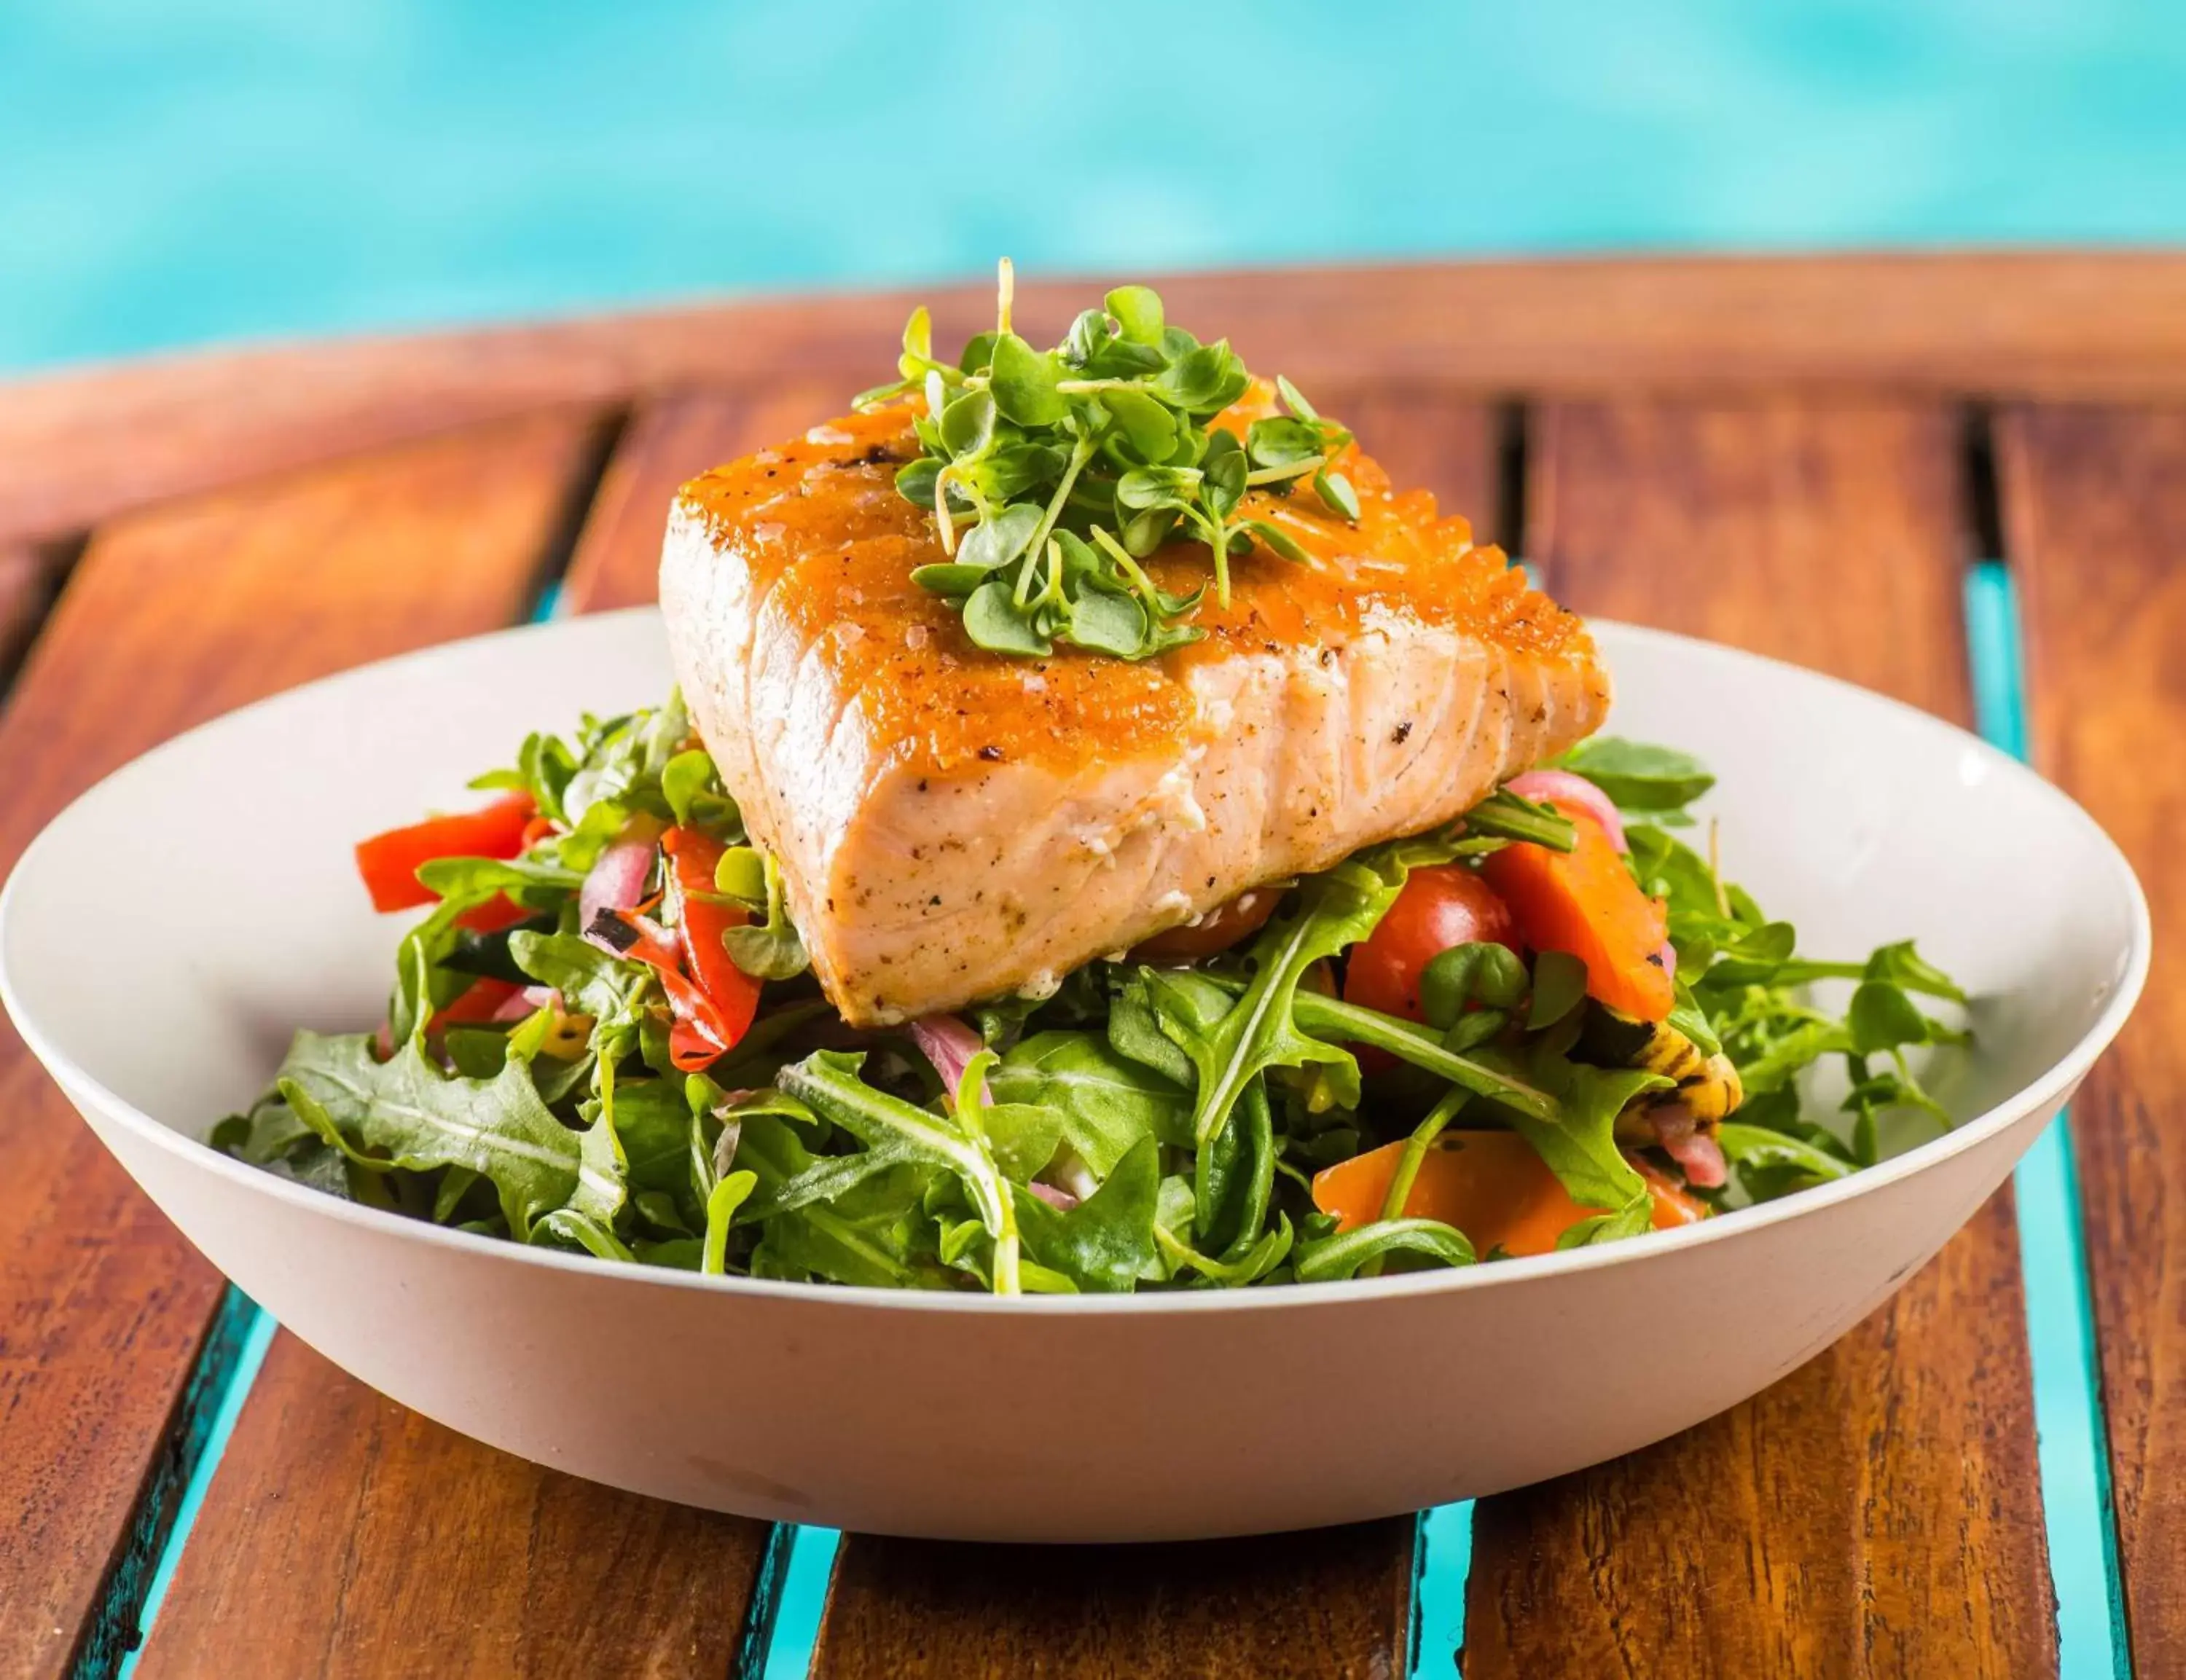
1490, 1184
1584, 902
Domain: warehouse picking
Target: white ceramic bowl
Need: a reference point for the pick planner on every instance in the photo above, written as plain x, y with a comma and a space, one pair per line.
227, 854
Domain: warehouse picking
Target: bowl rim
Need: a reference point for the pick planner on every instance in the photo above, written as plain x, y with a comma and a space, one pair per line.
2048, 1090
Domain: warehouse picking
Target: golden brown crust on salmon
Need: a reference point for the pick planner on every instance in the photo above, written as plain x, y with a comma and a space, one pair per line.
954, 823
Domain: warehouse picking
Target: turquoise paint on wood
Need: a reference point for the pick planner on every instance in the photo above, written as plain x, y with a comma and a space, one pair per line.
804, 1600
1444, 1565
227, 1366
2072, 1442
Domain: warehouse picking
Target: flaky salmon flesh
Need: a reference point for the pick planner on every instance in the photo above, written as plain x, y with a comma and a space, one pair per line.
954, 825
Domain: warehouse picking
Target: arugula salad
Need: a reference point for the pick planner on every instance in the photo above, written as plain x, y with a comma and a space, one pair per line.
1553, 1023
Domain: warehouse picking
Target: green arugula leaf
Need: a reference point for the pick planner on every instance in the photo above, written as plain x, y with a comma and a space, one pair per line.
874, 1235
828, 1083
592, 981
1353, 1023
1769, 1159
405, 1112
1668, 869
1883, 1018
1106, 1103
1334, 909
1579, 1146
567, 1227
1265, 1256
1106, 1243
1503, 815
1235, 1175
1639, 777
1331, 1257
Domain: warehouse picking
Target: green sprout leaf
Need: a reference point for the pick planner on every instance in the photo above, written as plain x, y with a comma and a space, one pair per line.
1138, 312
1106, 443
1024, 383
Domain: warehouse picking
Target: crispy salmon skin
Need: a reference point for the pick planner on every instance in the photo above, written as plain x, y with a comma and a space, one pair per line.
954, 825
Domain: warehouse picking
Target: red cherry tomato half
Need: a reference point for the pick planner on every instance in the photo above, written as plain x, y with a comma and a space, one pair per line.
1442, 905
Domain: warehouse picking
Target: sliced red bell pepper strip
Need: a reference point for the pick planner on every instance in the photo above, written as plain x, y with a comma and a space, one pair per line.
701, 919
479, 1002
701, 1032
389, 862
496, 913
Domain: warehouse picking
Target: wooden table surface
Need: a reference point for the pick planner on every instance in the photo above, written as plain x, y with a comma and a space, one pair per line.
1805, 458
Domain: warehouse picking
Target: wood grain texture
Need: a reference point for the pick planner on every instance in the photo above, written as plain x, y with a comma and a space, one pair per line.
168, 620
1428, 437
401, 1547
1878, 1511
2004, 324
2095, 504
1331, 1605
669, 439
406, 1548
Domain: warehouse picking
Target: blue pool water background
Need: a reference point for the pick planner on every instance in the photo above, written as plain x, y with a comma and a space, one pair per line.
209, 170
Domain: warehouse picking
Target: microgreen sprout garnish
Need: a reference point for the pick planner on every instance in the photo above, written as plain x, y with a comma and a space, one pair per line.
1052, 474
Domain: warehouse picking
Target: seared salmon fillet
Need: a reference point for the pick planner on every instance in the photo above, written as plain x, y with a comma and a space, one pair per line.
953, 823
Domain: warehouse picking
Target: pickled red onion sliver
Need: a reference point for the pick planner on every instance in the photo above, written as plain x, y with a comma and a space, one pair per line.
617, 880
1542, 785
950, 1045
1701, 1158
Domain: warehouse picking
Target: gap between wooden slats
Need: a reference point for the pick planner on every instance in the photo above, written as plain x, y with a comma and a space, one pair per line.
168, 620
670, 439
2094, 502
1878, 1509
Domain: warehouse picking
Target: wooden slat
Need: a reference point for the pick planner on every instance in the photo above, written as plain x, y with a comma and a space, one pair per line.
669, 439
2095, 522
1333, 1603
1429, 437
1879, 1511
424, 1552
168, 620
347, 1536
2005, 324
1307, 1604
